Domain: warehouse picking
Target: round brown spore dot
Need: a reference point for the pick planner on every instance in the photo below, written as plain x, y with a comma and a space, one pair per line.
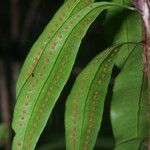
75, 115
94, 102
70, 49
94, 108
33, 65
40, 74
54, 82
41, 110
66, 27
46, 100
105, 69
89, 131
34, 124
19, 144
27, 145
100, 82
56, 25
87, 1
74, 128
58, 77
38, 118
23, 111
49, 93
87, 137
60, 18
38, 52
78, 16
91, 119
25, 103
91, 125
60, 70
29, 138
36, 59
103, 76
60, 37
86, 142
106, 65
48, 37
44, 68
109, 60
73, 134
62, 63
74, 122
91, 114
71, 22
52, 31
46, 60
95, 96
41, 47
72, 146
20, 125
51, 88
22, 118
43, 105
62, 14
27, 96
73, 140
85, 147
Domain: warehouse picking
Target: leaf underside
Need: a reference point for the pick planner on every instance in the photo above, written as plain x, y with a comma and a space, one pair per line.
46, 71
84, 107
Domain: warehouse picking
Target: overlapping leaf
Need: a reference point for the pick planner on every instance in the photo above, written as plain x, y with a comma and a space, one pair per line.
84, 108
67, 10
129, 104
40, 85
127, 26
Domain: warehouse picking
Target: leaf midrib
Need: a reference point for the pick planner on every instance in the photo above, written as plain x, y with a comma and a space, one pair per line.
46, 45
89, 91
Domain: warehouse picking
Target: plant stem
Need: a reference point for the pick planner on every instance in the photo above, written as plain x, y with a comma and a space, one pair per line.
143, 7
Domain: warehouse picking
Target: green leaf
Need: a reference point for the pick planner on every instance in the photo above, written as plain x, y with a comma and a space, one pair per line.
84, 107
129, 105
81, 4
39, 86
127, 26
43, 41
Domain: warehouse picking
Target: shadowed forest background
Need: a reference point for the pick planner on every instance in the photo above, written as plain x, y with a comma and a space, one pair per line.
21, 24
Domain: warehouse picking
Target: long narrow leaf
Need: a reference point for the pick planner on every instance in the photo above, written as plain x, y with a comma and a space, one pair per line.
85, 103
129, 104
67, 10
37, 94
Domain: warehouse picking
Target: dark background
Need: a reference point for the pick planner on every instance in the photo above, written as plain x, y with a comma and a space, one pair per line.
20, 25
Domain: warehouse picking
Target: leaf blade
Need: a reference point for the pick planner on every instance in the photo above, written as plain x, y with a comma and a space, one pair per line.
51, 29
124, 29
133, 102
38, 97
84, 107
